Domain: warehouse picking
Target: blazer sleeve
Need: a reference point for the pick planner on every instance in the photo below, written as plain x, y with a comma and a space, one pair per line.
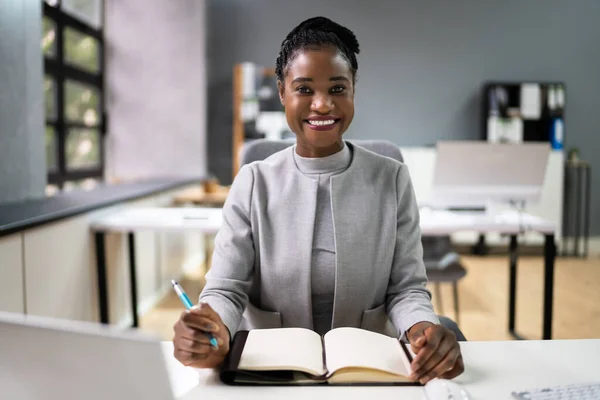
408, 300
232, 269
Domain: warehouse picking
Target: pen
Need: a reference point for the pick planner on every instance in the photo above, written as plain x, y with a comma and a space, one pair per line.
188, 304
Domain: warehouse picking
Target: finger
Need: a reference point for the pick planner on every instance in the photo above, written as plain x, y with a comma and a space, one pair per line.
202, 336
200, 322
417, 340
440, 369
195, 318
190, 330
417, 343
440, 352
456, 370
444, 363
434, 337
193, 346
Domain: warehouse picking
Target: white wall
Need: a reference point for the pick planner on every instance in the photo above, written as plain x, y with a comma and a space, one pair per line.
156, 88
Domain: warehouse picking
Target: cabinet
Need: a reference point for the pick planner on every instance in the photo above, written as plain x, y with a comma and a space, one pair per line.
12, 297
50, 270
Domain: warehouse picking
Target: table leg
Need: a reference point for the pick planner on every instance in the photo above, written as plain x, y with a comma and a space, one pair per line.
578, 186
549, 258
101, 271
587, 217
133, 278
512, 289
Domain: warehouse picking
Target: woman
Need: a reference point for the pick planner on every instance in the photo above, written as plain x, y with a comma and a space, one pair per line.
323, 234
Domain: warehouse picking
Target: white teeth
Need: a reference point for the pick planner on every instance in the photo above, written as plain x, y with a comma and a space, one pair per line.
321, 123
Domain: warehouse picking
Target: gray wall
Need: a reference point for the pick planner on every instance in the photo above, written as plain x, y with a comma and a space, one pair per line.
22, 155
156, 89
422, 64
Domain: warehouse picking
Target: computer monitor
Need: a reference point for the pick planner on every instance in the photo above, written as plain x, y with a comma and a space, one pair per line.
43, 358
477, 173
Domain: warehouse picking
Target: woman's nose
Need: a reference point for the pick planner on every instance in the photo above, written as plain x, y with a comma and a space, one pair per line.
322, 104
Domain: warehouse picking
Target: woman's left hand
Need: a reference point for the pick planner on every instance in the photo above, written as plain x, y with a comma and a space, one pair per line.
437, 352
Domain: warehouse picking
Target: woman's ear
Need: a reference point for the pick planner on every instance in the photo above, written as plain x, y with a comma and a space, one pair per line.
281, 89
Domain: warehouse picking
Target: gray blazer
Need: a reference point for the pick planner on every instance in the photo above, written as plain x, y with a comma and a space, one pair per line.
260, 273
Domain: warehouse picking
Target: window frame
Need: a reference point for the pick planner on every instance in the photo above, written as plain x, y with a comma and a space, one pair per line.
57, 69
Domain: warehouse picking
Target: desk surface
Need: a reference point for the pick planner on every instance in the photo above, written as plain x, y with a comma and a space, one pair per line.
493, 370
433, 222
439, 222
208, 220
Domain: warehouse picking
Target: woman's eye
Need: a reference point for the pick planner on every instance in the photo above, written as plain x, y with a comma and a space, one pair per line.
303, 89
338, 89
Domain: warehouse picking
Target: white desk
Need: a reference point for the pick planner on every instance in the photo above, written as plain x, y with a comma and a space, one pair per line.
165, 219
130, 220
439, 222
433, 222
492, 371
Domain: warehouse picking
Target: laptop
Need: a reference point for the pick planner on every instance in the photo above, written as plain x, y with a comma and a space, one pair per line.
43, 358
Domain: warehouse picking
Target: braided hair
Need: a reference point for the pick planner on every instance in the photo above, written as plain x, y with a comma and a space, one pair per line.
317, 32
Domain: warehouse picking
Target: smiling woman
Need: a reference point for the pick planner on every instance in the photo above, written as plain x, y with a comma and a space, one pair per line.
322, 234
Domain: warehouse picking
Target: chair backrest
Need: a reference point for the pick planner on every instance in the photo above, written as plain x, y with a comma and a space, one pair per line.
260, 149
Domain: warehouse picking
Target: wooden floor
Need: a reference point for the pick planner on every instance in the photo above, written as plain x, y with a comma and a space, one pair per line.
483, 298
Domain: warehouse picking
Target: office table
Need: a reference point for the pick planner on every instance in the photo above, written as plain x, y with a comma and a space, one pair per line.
511, 223
130, 220
433, 222
492, 371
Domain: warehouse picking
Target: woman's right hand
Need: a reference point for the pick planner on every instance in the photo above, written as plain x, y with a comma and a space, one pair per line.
192, 346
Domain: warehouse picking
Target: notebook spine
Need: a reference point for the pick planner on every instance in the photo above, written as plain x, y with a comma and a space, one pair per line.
232, 360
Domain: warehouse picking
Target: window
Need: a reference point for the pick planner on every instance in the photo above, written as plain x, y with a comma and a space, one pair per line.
73, 47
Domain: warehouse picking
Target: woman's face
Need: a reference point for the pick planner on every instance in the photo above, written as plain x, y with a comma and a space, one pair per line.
318, 96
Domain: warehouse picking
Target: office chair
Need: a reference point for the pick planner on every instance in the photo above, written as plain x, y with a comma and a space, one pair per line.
443, 266
441, 263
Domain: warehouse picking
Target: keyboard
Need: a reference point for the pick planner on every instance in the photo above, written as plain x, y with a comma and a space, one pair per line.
576, 392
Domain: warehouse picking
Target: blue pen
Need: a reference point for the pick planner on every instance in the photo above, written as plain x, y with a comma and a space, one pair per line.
188, 304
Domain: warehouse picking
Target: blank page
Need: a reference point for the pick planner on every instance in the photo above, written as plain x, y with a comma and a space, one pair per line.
283, 349
358, 348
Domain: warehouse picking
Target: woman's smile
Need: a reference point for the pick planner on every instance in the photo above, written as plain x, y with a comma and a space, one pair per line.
322, 123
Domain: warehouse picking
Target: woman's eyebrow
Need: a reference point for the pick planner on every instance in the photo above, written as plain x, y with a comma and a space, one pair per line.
333, 79
339, 78
301, 79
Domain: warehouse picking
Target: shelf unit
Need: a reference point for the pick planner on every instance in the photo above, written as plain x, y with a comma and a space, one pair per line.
239, 130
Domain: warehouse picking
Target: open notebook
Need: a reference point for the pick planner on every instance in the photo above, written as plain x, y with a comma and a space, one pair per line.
300, 356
